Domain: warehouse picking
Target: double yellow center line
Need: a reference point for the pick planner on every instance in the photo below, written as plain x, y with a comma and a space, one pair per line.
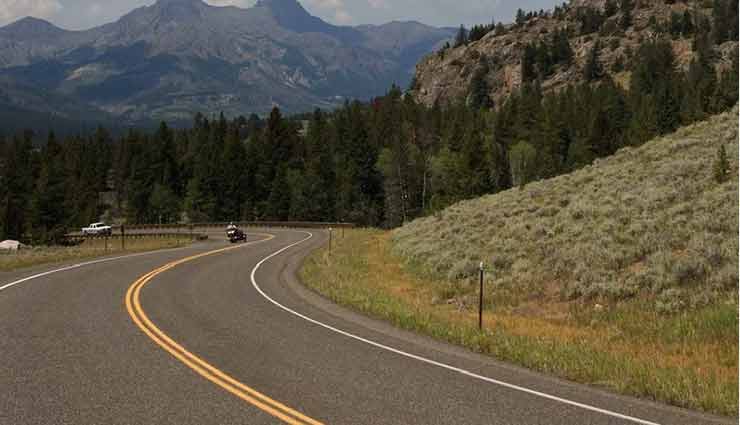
200, 366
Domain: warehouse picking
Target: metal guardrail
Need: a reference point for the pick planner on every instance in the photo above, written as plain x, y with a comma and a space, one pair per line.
223, 225
134, 231
155, 235
121, 237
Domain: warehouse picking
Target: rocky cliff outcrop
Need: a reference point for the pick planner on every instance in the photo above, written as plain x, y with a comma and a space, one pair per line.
447, 75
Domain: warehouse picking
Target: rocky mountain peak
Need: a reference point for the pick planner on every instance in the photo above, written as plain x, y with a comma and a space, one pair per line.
31, 27
290, 14
282, 6
180, 3
180, 10
175, 57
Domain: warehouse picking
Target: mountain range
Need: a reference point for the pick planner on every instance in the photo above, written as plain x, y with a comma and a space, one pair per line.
177, 57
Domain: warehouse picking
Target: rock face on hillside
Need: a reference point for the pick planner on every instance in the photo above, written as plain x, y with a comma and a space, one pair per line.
447, 75
176, 57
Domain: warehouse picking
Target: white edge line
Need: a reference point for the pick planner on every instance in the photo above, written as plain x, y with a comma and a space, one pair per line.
87, 263
429, 361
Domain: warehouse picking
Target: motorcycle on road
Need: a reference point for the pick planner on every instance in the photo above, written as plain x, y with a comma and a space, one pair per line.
236, 235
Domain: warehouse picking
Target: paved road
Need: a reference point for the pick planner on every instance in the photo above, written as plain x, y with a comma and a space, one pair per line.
208, 341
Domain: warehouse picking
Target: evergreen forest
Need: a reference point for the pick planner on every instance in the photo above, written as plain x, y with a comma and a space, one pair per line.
378, 163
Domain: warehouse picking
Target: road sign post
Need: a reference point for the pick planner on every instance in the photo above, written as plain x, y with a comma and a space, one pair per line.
480, 303
330, 240
123, 237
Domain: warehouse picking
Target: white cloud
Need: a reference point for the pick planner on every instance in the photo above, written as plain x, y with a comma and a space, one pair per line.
12, 10
335, 8
343, 17
95, 11
328, 4
378, 4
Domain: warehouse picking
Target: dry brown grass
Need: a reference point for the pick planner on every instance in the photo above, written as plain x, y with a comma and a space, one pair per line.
679, 359
92, 248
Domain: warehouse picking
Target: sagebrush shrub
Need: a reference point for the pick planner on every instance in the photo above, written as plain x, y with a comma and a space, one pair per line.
648, 220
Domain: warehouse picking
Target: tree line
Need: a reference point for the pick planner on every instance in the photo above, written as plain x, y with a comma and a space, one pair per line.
376, 163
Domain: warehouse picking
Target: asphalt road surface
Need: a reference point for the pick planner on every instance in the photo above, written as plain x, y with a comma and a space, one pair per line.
206, 335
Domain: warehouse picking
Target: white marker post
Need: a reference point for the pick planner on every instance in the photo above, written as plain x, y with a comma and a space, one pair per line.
480, 304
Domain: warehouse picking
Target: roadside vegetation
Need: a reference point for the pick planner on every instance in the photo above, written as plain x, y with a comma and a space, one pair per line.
92, 248
623, 274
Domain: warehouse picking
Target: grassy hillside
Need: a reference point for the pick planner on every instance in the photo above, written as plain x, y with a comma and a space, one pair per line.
621, 275
649, 222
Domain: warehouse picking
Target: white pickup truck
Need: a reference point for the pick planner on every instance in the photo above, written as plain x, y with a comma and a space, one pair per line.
97, 229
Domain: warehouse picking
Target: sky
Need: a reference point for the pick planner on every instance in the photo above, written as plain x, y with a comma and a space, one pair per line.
84, 14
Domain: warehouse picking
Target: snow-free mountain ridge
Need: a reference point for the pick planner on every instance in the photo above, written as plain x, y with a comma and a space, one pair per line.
178, 57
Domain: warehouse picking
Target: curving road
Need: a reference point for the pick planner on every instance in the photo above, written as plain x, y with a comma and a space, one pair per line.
220, 334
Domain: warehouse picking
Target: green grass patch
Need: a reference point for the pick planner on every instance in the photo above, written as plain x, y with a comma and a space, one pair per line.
687, 359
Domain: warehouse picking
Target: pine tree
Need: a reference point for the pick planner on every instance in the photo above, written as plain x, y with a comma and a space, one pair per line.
500, 29
522, 158
234, 164
474, 156
319, 173
199, 203
19, 175
721, 166
165, 168
676, 25
521, 17
462, 37
202, 193
476, 33
529, 61
395, 208
687, 27
732, 12
610, 8
692, 108
721, 20
163, 205
590, 18
644, 123
479, 91
48, 215
593, 69
625, 21
562, 53
655, 75
729, 82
